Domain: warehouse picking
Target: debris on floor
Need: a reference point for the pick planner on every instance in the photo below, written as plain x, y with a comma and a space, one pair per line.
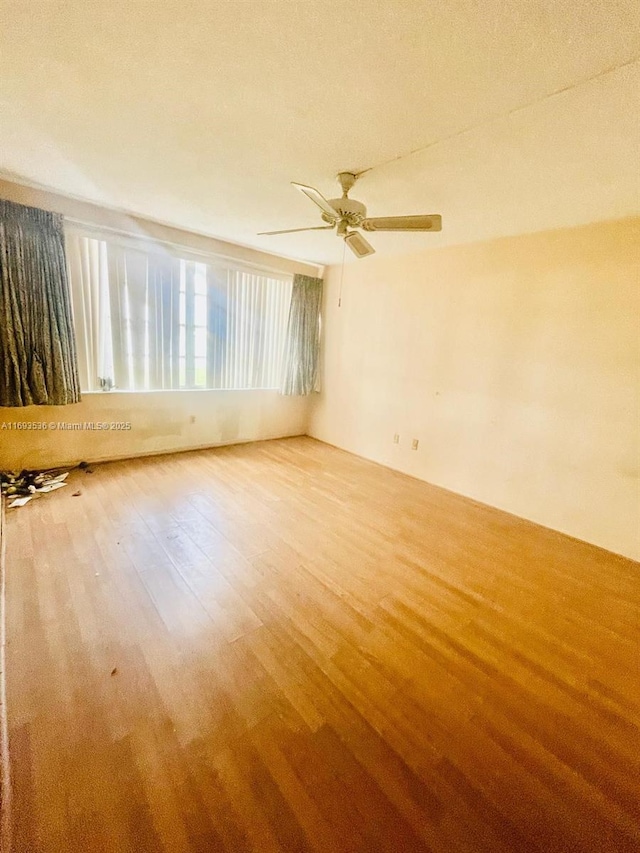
20, 501
20, 488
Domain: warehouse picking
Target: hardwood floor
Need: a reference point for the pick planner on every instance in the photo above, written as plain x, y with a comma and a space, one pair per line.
282, 647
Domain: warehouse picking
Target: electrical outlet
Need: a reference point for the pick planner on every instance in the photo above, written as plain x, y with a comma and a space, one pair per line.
396, 439
414, 444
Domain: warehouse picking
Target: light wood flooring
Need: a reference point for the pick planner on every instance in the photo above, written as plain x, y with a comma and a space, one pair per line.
283, 647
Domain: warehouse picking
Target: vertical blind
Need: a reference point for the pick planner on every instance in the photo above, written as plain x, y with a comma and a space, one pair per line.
147, 319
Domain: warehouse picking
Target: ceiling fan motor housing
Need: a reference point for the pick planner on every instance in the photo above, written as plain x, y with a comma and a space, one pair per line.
348, 209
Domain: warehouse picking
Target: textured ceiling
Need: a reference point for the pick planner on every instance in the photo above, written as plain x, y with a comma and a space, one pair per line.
505, 117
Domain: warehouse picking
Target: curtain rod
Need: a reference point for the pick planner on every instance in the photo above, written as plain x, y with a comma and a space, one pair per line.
121, 232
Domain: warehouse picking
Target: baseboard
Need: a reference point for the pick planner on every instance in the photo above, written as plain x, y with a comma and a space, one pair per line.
97, 460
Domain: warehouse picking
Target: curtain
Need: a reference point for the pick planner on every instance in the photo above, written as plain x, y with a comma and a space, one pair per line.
38, 363
303, 337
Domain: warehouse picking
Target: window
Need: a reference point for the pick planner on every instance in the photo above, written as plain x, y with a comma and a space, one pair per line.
147, 319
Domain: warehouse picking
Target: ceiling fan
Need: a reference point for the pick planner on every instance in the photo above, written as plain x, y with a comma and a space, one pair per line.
346, 213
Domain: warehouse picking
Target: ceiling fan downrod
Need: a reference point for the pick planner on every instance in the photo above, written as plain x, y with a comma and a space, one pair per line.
347, 180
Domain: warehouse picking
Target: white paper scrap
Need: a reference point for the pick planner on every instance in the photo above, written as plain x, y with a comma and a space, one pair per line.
20, 501
51, 487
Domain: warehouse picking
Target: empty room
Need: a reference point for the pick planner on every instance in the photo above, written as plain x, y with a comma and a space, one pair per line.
319, 426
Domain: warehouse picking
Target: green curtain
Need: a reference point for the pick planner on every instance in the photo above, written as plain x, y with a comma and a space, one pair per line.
303, 337
38, 364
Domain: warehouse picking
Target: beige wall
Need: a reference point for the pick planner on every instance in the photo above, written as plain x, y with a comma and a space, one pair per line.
515, 363
161, 421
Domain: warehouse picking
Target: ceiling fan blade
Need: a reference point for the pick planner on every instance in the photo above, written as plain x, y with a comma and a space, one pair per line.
317, 198
294, 230
358, 244
426, 222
